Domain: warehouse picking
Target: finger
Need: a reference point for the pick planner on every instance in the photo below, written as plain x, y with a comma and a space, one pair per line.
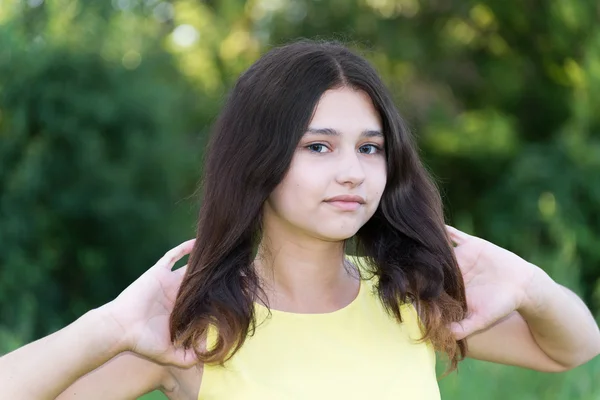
183, 358
180, 272
456, 235
175, 254
458, 330
465, 328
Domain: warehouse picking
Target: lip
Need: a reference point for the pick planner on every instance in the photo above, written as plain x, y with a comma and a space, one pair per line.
350, 198
346, 202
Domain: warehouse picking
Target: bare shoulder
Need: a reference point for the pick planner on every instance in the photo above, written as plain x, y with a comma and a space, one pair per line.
126, 376
184, 383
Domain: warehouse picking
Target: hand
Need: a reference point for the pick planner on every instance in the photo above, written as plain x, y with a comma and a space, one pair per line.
496, 281
141, 312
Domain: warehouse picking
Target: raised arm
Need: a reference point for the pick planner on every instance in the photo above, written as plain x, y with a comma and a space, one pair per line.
82, 360
95, 352
517, 314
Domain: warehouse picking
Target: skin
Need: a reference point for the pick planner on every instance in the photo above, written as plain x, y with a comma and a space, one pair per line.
300, 259
518, 315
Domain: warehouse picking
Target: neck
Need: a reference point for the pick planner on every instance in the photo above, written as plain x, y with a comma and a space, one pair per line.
304, 274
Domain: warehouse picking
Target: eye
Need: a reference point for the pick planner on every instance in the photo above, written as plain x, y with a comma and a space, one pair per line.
317, 147
370, 149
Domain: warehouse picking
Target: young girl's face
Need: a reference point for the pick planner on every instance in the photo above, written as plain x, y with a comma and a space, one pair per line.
342, 154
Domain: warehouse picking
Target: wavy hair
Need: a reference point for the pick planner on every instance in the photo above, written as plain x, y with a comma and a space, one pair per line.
251, 147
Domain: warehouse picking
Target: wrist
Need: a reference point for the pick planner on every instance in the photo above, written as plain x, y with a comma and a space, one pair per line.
534, 291
112, 336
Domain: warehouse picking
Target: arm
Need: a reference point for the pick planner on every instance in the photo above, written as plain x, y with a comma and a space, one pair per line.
517, 314
137, 320
560, 322
126, 376
58, 363
552, 331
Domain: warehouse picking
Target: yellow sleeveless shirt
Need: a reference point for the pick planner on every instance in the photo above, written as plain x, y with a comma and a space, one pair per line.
357, 352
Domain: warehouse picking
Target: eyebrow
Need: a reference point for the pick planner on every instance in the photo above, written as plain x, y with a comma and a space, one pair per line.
332, 132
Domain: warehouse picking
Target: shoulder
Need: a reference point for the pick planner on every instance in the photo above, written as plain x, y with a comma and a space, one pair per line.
183, 384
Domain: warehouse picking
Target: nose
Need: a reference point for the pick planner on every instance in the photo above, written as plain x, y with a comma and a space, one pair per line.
351, 171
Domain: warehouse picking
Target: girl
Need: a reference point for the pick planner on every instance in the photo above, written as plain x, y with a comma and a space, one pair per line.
310, 162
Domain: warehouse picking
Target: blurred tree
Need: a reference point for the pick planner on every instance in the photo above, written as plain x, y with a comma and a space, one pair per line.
94, 156
502, 98
104, 108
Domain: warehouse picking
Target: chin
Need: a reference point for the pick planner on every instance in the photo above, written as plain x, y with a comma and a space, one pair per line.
337, 236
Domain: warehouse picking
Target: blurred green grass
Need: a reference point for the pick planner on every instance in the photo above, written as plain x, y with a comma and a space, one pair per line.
484, 380
156, 395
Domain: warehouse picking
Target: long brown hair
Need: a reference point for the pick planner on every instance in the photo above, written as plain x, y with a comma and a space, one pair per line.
251, 148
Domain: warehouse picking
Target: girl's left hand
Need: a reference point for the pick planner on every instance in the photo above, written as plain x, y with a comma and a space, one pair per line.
496, 281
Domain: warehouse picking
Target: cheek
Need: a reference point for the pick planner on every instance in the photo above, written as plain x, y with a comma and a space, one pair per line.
381, 186
305, 177
376, 188
378, 179
297, 193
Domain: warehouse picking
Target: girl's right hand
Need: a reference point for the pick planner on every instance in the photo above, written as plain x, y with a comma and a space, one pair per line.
141, 312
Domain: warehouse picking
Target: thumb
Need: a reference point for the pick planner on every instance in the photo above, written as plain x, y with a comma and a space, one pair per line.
183, 358
464, 328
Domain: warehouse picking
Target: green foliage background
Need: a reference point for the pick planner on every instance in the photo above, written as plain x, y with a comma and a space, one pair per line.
105, 107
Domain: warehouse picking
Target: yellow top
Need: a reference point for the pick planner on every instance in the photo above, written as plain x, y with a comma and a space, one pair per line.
357, 352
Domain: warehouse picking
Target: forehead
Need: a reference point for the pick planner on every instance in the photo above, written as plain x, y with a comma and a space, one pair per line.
346, 110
